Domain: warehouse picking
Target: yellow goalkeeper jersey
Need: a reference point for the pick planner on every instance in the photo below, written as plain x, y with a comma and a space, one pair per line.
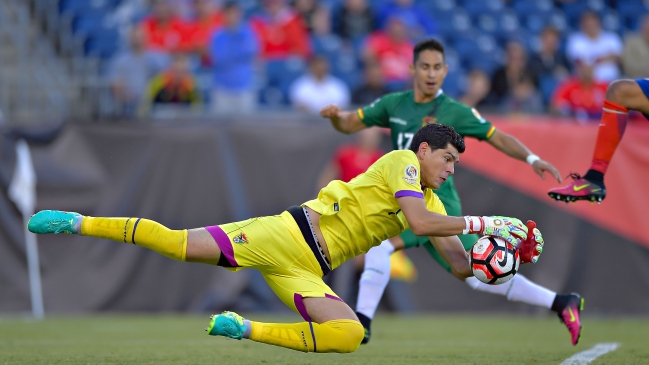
360, 214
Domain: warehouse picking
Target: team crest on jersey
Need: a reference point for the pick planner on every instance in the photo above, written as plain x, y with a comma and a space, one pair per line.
240, 239
428, 120
411, 173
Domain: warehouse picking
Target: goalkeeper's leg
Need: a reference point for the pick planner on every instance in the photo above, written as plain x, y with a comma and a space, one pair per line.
194, 245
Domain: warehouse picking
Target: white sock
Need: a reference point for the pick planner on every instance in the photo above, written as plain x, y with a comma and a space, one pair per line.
374, 279
518, 289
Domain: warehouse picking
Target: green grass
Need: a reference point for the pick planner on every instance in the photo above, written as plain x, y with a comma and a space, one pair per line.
449, 339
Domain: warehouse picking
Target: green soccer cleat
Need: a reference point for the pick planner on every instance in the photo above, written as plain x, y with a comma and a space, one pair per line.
226, 324
53, 221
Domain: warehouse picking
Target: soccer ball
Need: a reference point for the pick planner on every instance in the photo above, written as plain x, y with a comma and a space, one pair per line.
494, 260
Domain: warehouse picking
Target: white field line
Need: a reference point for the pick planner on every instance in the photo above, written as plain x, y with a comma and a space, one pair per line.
585, 357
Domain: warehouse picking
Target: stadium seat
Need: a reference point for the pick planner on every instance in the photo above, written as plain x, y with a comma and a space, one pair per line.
280, 74
80, 6
525, 8
547, 85
630, 12
480, 7
574, 10
455, 83
102, 44
455, 22
89, 22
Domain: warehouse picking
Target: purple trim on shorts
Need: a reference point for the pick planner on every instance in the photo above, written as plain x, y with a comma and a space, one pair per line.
223, 241
298, 300
402, 193
333, 297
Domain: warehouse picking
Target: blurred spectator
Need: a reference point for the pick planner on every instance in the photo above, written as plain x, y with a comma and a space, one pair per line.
205, 21
322, 38
417, 20
372, 88
176, 85
307, 9
281, 31
233, 51
549, 61
392, 50
352, 159
313, 91
477, 89
132, 70
635, 58
507, 77
524, 98
581, 96
596, 47
354, 20
163, 29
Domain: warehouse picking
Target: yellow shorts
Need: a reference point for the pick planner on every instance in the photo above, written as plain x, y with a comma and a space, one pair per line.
275, 246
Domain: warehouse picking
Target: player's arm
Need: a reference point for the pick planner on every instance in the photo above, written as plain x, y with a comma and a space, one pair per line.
347, 122
512, 147
423, 222
454, 254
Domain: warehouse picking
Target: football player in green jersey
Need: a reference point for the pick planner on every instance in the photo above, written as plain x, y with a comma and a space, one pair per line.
405, 113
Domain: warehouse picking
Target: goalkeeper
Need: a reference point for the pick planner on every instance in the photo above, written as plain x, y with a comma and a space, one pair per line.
404, 113
295, 249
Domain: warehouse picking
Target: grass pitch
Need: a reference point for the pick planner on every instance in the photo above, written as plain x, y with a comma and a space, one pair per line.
437, 339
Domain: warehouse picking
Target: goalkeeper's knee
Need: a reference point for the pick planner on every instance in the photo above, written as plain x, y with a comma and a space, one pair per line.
341, 335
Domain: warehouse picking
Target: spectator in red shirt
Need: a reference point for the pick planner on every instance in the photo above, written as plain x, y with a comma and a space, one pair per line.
207, 19
282, 32
163, 29
581, 96
392, 50
352, 159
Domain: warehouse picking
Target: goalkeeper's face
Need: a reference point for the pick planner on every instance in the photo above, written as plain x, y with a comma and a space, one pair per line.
429, 72
437, 165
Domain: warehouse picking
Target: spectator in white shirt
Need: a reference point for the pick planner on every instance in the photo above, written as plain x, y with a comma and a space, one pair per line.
596, 47
316, 89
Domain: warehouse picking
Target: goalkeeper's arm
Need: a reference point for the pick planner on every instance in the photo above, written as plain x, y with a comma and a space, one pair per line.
452, 251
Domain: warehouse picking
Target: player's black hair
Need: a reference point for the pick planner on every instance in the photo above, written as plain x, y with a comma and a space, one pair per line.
428, 45
437, 136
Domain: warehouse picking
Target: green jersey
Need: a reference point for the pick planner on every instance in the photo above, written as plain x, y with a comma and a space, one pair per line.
399, 112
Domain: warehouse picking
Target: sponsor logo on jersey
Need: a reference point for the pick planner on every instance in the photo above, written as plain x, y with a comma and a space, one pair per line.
428, 120
411, 173
398, 121
240, 239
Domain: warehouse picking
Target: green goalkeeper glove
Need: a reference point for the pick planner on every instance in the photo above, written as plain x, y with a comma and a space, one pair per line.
511, 230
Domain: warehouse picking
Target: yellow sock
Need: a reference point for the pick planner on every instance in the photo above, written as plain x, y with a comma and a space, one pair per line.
342, 335
141, 232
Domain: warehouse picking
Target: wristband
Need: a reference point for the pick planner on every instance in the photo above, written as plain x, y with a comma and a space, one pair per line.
531, 158
473, 225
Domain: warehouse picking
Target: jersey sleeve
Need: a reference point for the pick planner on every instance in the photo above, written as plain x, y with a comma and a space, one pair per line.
434, 203
402, 175
377, 113
468, 122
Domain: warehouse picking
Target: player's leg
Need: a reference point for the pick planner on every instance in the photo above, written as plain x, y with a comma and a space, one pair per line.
285, 253
376, 276
521, 289
195, 245
329, 324
621, 96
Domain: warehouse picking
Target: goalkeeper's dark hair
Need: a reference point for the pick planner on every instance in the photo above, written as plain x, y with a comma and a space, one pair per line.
428, 45
437, 136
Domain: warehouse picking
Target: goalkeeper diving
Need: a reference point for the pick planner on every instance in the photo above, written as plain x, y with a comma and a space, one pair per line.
295, 249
